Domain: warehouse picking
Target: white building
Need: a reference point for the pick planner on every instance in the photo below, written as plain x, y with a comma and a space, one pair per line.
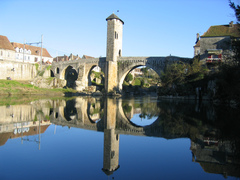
7, 51
32, 54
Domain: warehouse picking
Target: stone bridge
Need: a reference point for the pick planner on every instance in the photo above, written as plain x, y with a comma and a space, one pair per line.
79, 70
115, 67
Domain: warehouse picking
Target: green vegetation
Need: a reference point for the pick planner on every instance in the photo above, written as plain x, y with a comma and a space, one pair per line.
97, 74
48, 67
12, 87
181, 73
142, 83
129, 77
182, 78
37, 66
126, 108
228, 81
137, 82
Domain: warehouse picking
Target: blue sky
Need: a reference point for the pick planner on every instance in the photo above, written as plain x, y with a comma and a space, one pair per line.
151, 27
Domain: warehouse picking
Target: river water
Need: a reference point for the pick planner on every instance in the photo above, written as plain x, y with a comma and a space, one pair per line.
119, 138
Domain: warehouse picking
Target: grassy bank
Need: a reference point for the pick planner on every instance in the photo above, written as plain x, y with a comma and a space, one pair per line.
16, 88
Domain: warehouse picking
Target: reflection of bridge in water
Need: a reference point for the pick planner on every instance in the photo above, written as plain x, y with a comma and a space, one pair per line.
77, 113
210, 152
113, 122
110, 116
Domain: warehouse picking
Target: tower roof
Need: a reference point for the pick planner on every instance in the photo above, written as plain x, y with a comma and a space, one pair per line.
114, 16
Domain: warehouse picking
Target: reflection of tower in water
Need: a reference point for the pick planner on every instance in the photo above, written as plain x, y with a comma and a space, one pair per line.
111, 139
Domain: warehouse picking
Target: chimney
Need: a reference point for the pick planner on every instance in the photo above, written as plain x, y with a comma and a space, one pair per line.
231, 24
197, 39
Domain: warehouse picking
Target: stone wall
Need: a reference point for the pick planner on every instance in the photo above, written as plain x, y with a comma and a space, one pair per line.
17, 71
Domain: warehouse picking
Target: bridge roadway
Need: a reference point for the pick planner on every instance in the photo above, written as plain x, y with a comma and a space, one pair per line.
82, 68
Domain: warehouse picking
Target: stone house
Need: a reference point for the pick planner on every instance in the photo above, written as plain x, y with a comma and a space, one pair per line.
86, 57
7, 52
66, 58
215, 45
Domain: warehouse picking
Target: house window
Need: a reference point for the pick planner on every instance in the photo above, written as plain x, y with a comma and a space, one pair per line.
1, 53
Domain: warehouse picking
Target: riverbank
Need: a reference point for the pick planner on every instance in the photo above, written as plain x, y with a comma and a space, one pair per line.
19, 88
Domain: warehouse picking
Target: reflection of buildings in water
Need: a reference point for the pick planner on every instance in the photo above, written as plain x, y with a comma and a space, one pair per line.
34, 130
21, 120
137, 110
213, 155
216, 156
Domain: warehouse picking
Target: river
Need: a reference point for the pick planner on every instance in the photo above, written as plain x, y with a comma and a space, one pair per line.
119, 138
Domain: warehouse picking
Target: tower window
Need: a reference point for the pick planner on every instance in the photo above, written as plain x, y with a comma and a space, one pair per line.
116, 35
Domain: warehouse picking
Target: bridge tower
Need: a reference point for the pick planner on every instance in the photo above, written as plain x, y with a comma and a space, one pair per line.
114, 50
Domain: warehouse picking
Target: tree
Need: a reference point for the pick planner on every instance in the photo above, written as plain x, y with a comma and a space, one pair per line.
129, 77
175, 74
236, 41
236, 9
145, 71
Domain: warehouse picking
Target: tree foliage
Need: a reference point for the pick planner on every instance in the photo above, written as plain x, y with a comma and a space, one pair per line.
175, 74
182, 73
236, 41
129, 77
236, 8
228, 81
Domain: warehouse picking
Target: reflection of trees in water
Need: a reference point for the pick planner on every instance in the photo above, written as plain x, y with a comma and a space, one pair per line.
95, 109
149, 110
216, 132
146, 109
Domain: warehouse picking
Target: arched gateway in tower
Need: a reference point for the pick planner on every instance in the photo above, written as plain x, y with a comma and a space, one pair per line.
114, 50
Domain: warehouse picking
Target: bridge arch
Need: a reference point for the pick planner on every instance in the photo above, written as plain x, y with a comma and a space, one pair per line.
52, 73
128, 69
98, 75
70, 75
